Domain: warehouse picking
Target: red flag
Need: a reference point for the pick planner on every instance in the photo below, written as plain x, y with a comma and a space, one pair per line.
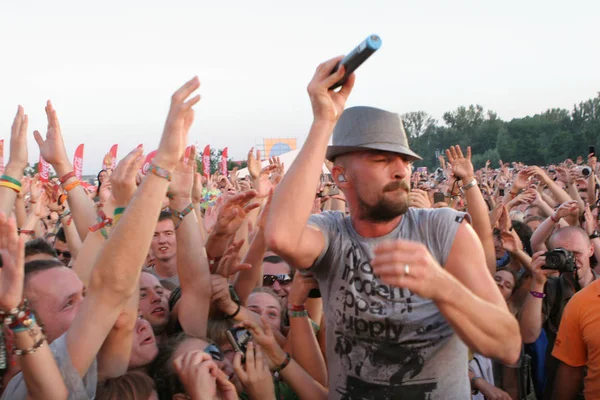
186, 156
78, 161
44, 170
148, 161
2, 157
113, 154
224, 162
206, 161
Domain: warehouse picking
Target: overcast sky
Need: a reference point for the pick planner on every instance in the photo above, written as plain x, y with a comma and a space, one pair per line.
110, 67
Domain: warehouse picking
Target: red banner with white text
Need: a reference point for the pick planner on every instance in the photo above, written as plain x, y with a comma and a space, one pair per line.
223, 163
78, 161
206, 161
43, 170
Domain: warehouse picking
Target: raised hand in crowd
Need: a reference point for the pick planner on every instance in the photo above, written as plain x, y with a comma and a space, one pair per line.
463, 169
16, 163
231, 216
277, 173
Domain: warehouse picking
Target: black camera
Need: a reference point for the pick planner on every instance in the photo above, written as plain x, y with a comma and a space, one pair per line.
239, 339
560, 260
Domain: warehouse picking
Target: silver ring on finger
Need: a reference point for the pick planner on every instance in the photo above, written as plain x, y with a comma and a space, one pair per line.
406, 269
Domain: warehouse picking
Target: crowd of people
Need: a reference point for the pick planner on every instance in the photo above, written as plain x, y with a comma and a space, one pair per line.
374, 281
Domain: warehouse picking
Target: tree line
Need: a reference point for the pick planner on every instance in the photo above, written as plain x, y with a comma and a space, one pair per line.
542, 139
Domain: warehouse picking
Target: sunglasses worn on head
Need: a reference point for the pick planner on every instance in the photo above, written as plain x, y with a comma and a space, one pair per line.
283, 279
66, 254
215, 352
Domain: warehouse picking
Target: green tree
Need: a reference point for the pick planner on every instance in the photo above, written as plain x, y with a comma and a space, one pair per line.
416, 123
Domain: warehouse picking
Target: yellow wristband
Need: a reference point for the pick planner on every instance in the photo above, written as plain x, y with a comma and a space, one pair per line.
10, 185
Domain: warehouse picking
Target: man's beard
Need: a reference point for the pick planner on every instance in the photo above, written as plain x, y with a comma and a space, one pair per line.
385, 210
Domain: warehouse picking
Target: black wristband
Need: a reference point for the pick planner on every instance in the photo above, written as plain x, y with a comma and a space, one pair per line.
235, 313
284, 364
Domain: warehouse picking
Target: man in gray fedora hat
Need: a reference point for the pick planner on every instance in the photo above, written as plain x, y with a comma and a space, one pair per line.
405, 290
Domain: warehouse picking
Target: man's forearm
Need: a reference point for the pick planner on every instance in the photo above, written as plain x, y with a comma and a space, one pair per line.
541, 234
480, 220
73, 239
40, 371
115, 274
193, 272
294, 197
20, 212
523, 258
247, 280
560, 195
305, 349
546, 209
129, 241
486, 328
568, 382
113, 357
592, 189
574, 193
216, 244
531, 319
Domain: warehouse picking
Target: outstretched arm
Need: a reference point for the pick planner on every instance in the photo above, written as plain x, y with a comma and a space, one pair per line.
117, 269
286, 232
192, 263
52, 149
17, 161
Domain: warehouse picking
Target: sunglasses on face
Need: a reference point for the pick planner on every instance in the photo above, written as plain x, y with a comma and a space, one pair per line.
66, 254
283, 279
215, 352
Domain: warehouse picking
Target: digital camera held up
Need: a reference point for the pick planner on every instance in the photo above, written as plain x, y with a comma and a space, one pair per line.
560, 260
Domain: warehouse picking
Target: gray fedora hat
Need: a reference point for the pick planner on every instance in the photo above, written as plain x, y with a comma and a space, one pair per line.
363, 128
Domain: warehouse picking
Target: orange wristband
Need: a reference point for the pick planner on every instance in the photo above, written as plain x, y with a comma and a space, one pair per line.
72, 185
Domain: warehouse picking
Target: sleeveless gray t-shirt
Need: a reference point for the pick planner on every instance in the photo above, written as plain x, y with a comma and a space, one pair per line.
386, 342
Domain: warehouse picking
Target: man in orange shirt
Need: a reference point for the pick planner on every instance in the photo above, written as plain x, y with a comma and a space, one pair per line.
578, 346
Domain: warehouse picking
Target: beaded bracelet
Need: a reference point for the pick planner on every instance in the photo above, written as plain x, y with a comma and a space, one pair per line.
181, 215
9, 317
284, 364
160, 172
22, 323
292, 307
27, 352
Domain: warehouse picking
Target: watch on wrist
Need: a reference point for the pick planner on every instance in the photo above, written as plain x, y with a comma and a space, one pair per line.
595, 234
468, 186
